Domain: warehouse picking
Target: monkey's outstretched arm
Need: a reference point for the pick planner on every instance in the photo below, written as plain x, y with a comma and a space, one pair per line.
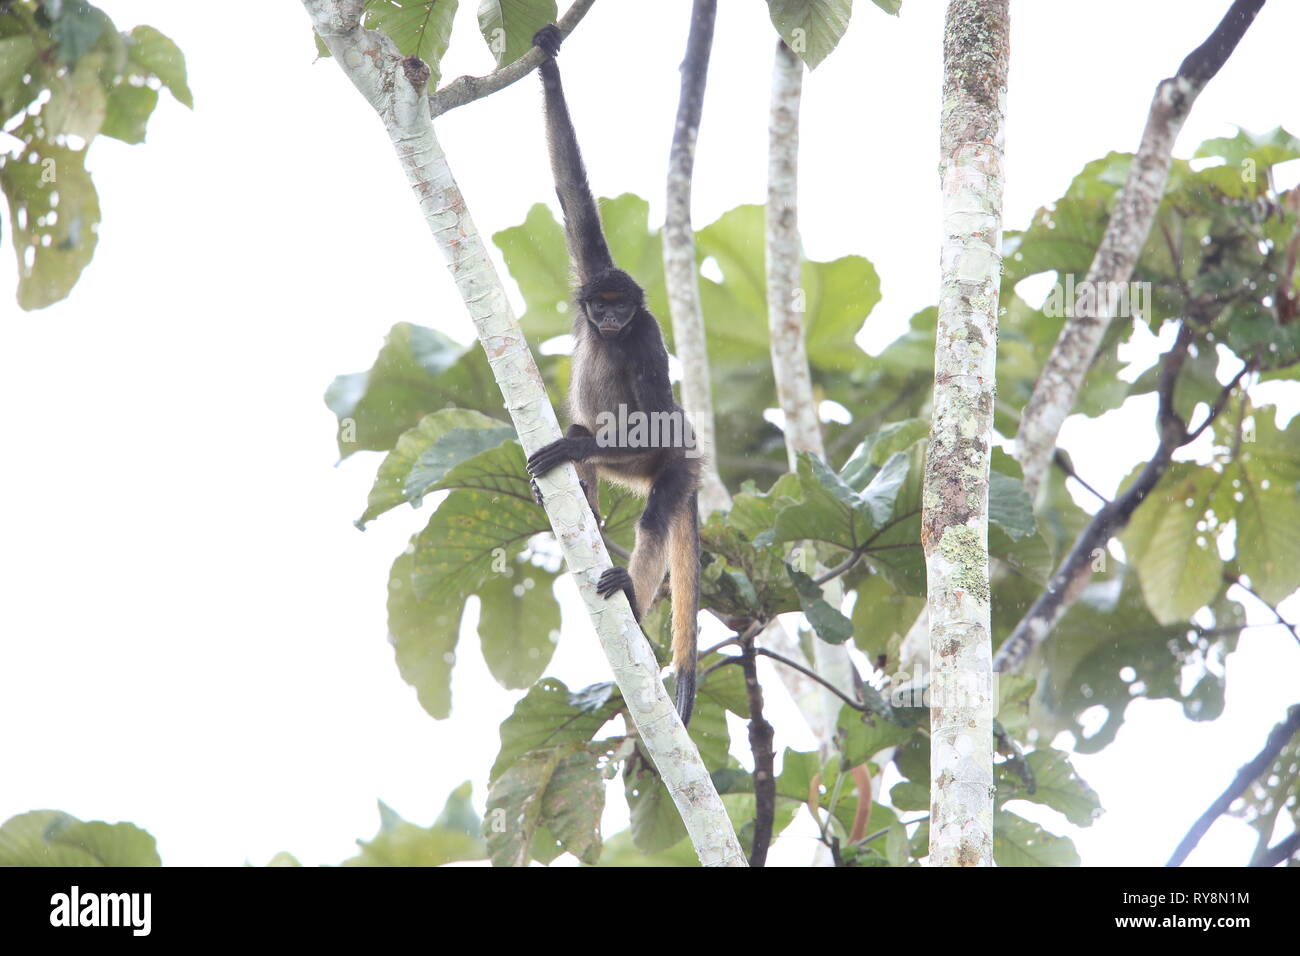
586, 241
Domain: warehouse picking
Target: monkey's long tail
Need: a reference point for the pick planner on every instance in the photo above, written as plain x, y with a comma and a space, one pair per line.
684, 583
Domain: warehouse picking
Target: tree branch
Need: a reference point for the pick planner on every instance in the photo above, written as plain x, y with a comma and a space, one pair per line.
680, 277
1279, 853
1295, 633
1058, 384
396, 87
794, 390
1277, 739
1076, 569
467, 89
760, 744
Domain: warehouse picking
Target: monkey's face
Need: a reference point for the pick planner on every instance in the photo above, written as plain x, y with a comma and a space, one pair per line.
610, 312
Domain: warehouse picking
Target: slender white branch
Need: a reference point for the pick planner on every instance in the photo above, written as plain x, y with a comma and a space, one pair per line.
683, 285
785, 311
955, 498
785, 306
396, 88
1057, 388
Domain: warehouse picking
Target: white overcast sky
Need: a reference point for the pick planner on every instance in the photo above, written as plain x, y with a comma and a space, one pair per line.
192, 633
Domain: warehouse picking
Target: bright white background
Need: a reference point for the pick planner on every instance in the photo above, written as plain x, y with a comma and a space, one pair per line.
192, 632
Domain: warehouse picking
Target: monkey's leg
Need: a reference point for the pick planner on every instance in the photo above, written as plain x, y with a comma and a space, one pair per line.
640, 581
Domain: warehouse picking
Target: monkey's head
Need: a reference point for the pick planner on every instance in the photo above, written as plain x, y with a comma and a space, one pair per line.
610, 302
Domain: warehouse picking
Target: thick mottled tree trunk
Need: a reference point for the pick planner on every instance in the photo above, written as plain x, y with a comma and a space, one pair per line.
954, 522
396, 88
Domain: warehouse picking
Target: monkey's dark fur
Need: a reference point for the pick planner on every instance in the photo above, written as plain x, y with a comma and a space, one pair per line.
619, 359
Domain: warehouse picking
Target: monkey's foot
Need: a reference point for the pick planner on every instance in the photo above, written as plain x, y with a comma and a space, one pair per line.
617, 579
549, 457
548, 38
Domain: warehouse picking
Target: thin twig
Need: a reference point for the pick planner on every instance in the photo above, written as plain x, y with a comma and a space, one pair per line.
812, 675
1062, 461
467, 89
1279, 853
1075, 570
1277, 739
761, 736
1272, 607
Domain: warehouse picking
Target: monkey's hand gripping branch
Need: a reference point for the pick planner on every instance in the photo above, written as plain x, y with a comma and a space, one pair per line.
397, 89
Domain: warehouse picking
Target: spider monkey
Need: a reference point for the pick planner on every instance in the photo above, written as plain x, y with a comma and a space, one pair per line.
619, 362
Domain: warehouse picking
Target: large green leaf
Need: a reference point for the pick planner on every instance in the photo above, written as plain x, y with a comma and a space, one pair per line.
424, 454
550, 715
52, 248
17, 54
561, 789
1176, 556
655, 823
423, 635
75, 28
469, 536
839, 296
78, 102
418, 371
53, 838
127, 112
519, 624
1108, 650
882, 617
1052, 782
813, 28
535, 254
399, 843
158, 56
508, 25
831, 625
835, 512
1017, 842
419, 27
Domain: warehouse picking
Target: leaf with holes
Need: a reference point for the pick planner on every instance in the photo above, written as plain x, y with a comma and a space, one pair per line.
549, 715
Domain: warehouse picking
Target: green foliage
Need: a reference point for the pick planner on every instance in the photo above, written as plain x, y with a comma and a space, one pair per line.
453, 837
551, 799
53, 838
837, 297
1046, 777
508, 25
812, 28
418, 28
1108, 650
1230, 515
67, 76
1017, 842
